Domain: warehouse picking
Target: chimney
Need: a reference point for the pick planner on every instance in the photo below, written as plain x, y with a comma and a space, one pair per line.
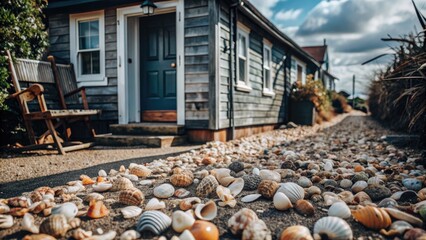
325, 42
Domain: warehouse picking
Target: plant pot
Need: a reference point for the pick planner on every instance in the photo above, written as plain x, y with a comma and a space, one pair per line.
302, 112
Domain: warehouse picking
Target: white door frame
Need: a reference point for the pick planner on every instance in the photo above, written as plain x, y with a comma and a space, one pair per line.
122, 65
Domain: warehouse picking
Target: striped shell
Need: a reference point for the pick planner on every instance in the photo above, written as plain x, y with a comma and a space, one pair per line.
139, 170
121, 184
268, 188
333, 228
372, 217
181, 179
131, 196
55, 225
293, 191
206, 186
154, 221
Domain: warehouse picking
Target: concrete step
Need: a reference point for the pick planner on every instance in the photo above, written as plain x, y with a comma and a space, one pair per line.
149, 141
147, 129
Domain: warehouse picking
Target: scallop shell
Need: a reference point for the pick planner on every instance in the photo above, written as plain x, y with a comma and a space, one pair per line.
181, 193
250, 198
181, 180
251, 181
268, 188
130, 235
69, 210
297, 232
225, 196
131, 211
6, 221
131, 196
101, 187
333, 228
339, 209
182, 220
236, 187
304, 207
239, 221
55, 225
93, 196
359, 186
372, 217
396, 228
206, 186
97, 209
155, 204
188, 203
154, 221
206, 211
81, 234
293, 191
164, 190
256, 230
270, 175
121, 184
139, 170
281, 201
397, 214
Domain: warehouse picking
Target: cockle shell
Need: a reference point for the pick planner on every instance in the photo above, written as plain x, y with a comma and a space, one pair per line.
293, 191
130, 235
359, 186
101, 187
281, 201
181, 193
225, 196
239, 221
397, 214
339, 209
189, 203
251, 181
182, 179
6, 221
38, 237
154, 221
93, 196
372, 217
270, 175
69, 210
131, 196
206, 211
182, 220
332, 228
81, 234
139, 170
207, 186
131, 211
256, 230
164, 190
55, 225
297, 232
236, 186
204, 230
396, 228
155, 204
121, 184
28, 224
250, 198
268, 188
304, 207
97, 209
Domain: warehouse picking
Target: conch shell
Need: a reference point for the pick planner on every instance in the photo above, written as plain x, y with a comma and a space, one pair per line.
372, 217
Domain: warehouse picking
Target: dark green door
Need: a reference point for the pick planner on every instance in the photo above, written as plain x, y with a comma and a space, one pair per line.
158, 62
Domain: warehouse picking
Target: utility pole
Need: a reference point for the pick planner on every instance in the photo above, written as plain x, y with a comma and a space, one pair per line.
353, 91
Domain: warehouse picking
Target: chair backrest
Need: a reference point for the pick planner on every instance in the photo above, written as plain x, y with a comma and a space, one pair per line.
65, 78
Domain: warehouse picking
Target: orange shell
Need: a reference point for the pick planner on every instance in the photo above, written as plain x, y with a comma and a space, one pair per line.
181, 180
86, 180
203, 230
304, 207
358, 168
131, 196
372, 217
268, 188
100, 179
297, 232
97, 209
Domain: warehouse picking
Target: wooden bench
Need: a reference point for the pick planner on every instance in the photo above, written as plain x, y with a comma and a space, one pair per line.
45, 91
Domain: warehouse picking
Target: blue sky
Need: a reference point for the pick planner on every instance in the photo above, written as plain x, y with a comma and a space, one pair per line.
353, 29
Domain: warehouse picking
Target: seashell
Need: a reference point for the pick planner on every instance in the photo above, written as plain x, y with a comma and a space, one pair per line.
345, 183
313, 190
131, 177
122, 169
236, 166
268, 188
28, 224
206, 186
219, 173
297, 232
181, 193
422, 194
204, 230
362, 198
131, 196
339, 209
4, 208
186, 235
188, 203
146, 182
225, 196
304, 207
39, 237
346, 196
154, 221
250, 198
251, 181
256, 230
55, 225
304, 182
236, 187
281, 201
93, 196
332, 228
106, 236
40, 206
18, 212
22, 202
139, 170
328, 166
182, 220
387, 202
239, 221
6, 221
397, 214
131, 211
225, 181
375, 181
255, 171
86, 180
102, 173
81, 234
359, 186
101, 187
181, 180
69, 210
396, 228
77, 187
38, 193
121, 184
206, 211
422, 211
414, 234
155, 204
74, 223
270, 175
97, 209
293, 191
372, 217
130, 235
201, 174
409, 196
164, 190
412, 184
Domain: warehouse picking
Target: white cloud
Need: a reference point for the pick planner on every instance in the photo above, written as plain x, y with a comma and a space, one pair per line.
288, 14
265, 6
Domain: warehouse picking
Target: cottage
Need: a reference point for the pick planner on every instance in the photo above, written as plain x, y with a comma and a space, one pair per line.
217, 68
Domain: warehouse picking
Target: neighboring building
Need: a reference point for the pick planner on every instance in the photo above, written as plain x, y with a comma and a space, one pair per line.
217, 67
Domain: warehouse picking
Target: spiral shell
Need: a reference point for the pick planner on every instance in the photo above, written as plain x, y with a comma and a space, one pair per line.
181, 179
131, 196
239, 221
121, 184
293, 191
297, 232
372, 217
139, 170
251, 181
154, 221
55, 225
267, 188
333, 228
206, 186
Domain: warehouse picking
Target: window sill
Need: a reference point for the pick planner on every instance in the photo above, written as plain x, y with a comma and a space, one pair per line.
241, 86
92, 82
268, 93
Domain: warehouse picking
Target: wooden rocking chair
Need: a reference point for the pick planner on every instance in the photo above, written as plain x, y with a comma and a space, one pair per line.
50, 84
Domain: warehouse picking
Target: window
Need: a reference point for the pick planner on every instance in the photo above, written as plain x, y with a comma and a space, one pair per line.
243, 58
88, 48
267, 73
298, 71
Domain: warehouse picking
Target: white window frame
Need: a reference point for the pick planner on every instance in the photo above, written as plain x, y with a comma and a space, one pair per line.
88, 79
243, 85
267, 90
294, 70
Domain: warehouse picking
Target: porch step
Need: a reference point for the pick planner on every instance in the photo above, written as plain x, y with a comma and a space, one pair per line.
147, 129
132, 140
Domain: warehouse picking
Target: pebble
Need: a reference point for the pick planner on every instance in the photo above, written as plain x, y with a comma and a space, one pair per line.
377, 192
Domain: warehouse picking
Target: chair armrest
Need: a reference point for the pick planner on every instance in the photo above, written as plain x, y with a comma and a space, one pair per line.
82, 91
77, 90
29, 93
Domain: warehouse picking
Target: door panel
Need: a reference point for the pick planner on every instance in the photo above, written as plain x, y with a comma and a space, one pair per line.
153, 84
170, 84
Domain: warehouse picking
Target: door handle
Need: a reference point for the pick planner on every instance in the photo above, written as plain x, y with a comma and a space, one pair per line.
173, 65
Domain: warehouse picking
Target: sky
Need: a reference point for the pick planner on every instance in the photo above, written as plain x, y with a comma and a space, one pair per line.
352, 29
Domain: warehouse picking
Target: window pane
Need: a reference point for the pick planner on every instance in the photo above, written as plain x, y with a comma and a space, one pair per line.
242, 69
88, 34
84, 42
96, 69
267, 58
243, 47
94, 28
86, 63
94, 42
267, 79
83, 29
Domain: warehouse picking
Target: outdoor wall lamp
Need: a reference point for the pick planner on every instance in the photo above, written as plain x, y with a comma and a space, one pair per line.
148, 7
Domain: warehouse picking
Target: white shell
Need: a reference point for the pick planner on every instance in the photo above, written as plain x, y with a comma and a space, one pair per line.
270, 175
256, 171
93, 196
339, 209
131, 211
236, 187
293, 191
221, 173
130, 235
395, 213
102, 187
186, 235
182, 220
206, 211
131, 177
225, 196
102, 173
146, 182
77, 187
155, 204
164, 190
330, 198
333, 227
304, 182
154, 221
346, 183
328, 166
313, 190
68, 209
106, 236
281, 201
359, 186
27, 224
250, 198
6, 221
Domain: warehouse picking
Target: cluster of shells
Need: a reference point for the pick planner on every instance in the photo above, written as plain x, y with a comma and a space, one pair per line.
182, 197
